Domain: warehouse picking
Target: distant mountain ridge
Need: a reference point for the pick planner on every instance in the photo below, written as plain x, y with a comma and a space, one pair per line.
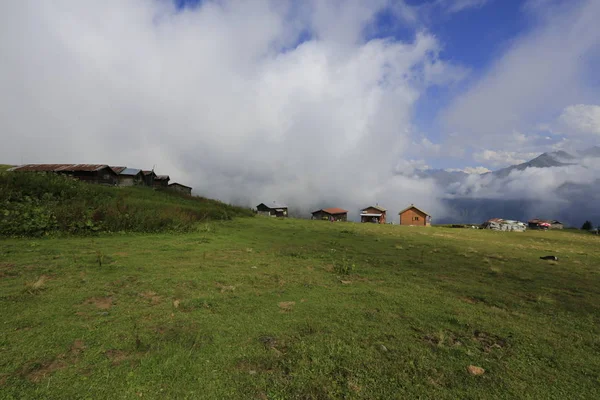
571, 202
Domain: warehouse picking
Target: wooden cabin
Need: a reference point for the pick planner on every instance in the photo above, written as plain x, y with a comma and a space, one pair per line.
92, 173
331, 214
273, 209
178, 187
414, 216
161, 181
130, 176
374, 214
149, 177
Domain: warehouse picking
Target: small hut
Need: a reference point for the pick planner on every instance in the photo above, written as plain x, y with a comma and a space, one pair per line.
374, 214
273, 209
331, 214
414, 216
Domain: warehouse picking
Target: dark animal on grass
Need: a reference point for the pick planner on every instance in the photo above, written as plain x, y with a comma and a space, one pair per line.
554, 258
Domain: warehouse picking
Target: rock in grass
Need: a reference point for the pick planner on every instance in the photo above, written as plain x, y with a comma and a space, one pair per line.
473, 370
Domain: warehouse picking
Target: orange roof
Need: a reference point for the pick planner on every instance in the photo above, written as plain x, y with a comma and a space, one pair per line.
333, 210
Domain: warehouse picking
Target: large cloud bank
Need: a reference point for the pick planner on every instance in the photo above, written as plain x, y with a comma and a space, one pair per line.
244, 101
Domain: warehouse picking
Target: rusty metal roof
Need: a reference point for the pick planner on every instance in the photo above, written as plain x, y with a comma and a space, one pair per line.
59, 167
333, 210
117, 170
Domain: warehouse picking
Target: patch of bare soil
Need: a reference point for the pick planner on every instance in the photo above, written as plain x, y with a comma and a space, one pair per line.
225, 288
286, 306
489, 341
445, 338
152, 297
36, 372
77, 347
117, 357
470, 300
7, 269
102, 303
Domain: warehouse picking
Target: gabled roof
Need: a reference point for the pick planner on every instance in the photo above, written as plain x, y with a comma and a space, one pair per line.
333, 210
118, 170
148, 172
273, 205
375, 207
179, 184
416, 208
162, 177
130, 171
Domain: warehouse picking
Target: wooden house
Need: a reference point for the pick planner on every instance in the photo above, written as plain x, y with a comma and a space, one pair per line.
332, 214
161, 181
414, 216
129, 176
149, 177
374, 214
272, 209
92, 173
178, 187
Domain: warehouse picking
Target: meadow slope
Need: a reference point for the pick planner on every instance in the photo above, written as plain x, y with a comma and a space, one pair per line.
278, 309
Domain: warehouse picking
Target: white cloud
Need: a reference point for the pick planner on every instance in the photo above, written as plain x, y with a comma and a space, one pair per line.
581, 119
470, 170
499, 158
461, 5
218, 96
543, 71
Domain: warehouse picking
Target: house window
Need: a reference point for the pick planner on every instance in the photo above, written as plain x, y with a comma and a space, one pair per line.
415, 218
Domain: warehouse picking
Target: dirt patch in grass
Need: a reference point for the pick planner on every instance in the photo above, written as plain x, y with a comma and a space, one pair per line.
77, 347
102, 303
443, 338
37, 371
8, 269
225, 288
488, 341
152, 297
286, 306
117, 357
471, 300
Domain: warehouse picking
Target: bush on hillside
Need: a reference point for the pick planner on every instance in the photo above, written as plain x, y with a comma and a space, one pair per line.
587, 225
36, 204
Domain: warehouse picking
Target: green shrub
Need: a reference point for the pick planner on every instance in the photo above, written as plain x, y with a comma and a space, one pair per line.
36, 204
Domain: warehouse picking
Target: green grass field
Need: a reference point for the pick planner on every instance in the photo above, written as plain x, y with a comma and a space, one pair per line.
282, 309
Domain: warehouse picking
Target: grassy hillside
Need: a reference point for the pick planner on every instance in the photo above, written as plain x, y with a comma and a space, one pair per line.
41, 204
277, 309
4, 167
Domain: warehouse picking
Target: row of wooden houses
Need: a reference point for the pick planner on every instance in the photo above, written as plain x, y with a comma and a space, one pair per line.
107, 175
411, 215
